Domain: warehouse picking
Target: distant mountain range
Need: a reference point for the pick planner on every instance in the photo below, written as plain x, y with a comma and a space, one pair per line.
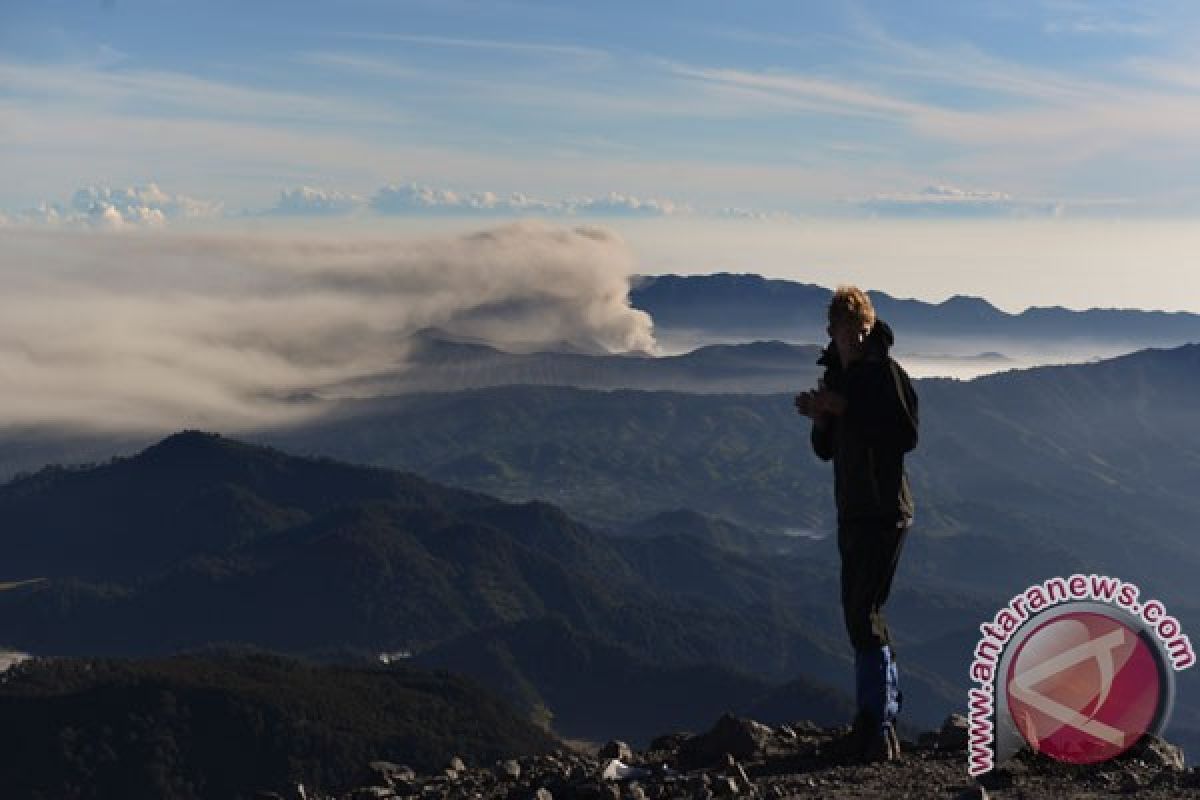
1063, 467
438, 361
727, 304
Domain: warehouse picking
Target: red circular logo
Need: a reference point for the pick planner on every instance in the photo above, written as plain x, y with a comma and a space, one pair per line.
1083, 687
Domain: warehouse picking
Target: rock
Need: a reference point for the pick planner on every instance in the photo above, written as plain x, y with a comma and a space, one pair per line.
727, 787
997, 778
1166, 779
387, 774
543, 794
741, 738
406, 788
739, 772
507, 770
371, 793
456, 764
929, 739
953, 735
973, 793
1130, 782
1157, 752
598, 791
669, 741
617, 770
615, 748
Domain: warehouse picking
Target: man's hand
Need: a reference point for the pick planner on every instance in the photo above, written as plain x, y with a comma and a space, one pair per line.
804, 404
816, 403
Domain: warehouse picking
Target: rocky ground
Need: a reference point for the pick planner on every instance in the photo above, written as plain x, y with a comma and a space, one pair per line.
741, 758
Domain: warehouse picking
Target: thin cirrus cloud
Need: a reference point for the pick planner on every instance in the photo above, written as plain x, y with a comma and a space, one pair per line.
654, 92
997, 106
804, 92
132, 90
1048, 130
509, 46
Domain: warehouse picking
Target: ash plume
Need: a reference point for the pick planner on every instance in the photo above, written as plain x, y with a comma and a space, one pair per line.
158, 331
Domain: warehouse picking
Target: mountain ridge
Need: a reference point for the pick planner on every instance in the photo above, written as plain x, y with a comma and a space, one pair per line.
750, 303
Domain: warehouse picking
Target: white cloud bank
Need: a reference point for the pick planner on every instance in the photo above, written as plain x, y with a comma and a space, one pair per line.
113, 209
103, 207
306, 200
162, 331
148, 206
414, 198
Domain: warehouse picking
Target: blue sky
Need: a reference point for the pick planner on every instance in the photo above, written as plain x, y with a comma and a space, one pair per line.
938, 140
892, 109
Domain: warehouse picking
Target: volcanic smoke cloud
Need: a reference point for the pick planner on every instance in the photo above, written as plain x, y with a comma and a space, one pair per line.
152, 332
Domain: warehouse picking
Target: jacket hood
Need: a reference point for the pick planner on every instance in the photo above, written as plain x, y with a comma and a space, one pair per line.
879, 340
881, 336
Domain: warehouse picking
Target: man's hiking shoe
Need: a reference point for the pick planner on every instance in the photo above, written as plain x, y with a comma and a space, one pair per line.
883, 746
865, 742
849, 746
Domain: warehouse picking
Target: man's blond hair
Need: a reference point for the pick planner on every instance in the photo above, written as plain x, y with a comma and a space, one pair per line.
851, 305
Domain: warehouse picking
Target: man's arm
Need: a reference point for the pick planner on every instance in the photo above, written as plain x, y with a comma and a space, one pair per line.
822, 436
820, 405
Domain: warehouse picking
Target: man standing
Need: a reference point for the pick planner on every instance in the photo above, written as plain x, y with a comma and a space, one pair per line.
864, 414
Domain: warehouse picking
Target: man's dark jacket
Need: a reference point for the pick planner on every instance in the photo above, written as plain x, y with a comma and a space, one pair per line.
867, 442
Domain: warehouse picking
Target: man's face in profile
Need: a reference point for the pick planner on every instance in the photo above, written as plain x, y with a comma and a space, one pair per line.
850, 338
